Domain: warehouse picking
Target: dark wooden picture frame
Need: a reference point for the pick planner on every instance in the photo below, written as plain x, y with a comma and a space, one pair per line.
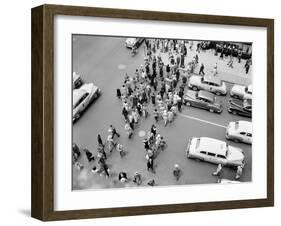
42, 203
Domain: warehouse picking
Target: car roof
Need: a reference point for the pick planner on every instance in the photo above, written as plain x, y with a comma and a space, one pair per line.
212, 145
213, 79
77, 94
245, 126
206, 95
247, 102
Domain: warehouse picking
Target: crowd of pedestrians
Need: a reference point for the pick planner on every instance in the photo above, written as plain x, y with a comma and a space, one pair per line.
154, 90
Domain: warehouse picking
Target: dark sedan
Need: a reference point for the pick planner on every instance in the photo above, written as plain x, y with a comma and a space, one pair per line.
202, 99
240, 107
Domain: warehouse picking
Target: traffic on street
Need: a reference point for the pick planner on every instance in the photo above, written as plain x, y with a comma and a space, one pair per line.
159, 112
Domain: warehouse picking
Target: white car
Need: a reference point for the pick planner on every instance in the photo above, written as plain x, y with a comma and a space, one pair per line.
241, 92
209, 83
82, 97
240, 131
76, 80
214, 151
133, 42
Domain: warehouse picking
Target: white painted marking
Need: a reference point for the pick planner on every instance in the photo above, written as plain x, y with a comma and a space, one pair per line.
201, 120
141, 133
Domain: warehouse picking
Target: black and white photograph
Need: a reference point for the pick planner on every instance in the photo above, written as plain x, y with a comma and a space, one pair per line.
160, 112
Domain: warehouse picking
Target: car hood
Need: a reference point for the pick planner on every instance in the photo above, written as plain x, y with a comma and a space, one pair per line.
236, 102
190, 94
231, 128
238, 89
89, 87
235, 154
195, 79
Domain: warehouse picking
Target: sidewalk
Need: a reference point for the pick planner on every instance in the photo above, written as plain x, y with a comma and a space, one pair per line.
236, 75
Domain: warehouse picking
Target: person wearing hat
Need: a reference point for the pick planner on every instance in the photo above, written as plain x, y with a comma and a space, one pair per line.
177, 172
113, 131
151, 182
120, 149
146, 144
150, 165
239, 172
137, 178
156, 114
89, 155
123, 177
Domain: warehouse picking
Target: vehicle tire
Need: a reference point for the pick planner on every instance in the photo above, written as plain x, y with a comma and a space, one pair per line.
218, 93
211, 110
236, 141
219, 112
189, 157
194, 88
234, 112
187, 103
236, 97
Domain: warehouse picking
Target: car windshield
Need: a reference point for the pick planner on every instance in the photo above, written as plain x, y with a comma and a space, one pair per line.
197, 143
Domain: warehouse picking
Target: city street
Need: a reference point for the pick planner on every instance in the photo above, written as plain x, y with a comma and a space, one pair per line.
104, 61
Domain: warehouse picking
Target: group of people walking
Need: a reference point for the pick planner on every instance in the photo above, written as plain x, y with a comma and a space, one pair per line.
155, 89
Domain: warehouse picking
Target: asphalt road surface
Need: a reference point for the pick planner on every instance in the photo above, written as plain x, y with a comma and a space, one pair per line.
104, 61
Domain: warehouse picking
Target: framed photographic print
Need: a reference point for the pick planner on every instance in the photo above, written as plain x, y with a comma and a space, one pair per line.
141, 112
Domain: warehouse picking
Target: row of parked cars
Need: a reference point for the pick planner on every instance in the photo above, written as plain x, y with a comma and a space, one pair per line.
202, 94
204, 88
83, 95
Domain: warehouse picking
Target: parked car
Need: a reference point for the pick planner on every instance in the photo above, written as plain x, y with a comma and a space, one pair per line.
241, 92
133, 42
240, 107
214, 151
209, 83
202, 99
82, 97
77, 80
240, 131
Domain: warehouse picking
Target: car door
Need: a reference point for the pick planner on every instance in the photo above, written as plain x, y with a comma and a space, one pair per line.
221, 159
199, 103
211, 157
242, 136
211, 87
84, 102
204, 85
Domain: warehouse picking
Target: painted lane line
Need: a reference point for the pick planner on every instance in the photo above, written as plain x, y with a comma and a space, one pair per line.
201, 120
